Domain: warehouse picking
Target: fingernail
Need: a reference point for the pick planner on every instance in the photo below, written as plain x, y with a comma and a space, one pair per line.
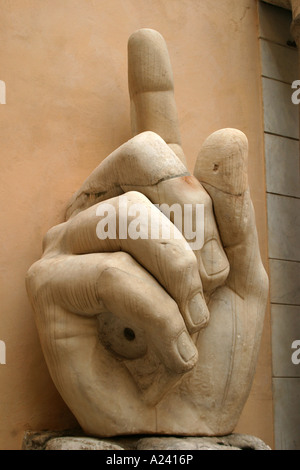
214, 258
186, 347
198, 310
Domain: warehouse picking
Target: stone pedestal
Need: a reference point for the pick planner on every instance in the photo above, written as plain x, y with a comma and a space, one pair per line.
75, 440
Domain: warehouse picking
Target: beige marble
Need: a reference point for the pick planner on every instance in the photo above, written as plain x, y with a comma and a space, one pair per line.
145, 335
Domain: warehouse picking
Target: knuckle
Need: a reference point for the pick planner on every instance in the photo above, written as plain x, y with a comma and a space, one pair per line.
119, 259
183, 261
263, 280
135, 197
206, 200
31, 273
35, 276
150, 159
147, 136
52, 236
109, 276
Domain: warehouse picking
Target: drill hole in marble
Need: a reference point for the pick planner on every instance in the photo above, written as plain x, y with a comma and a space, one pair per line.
129, 334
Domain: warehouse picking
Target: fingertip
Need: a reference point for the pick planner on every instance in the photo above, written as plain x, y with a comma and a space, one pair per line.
187, 350
223, 161
227, 135
149, 66
144, 34
176, 349
197, 313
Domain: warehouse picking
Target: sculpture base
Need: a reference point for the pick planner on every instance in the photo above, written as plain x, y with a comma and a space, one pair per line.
76, 440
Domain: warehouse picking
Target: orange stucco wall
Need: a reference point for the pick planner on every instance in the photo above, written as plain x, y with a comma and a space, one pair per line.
65, 68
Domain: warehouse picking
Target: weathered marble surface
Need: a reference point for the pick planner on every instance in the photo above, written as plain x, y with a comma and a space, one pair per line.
63, 441
146, 336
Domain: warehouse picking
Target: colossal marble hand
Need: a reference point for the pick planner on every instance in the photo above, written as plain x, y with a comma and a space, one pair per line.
146, 335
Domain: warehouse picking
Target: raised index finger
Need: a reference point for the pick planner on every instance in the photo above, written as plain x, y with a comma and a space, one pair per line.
151, 88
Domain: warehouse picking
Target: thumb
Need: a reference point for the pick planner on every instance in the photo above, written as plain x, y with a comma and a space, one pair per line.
222, 169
